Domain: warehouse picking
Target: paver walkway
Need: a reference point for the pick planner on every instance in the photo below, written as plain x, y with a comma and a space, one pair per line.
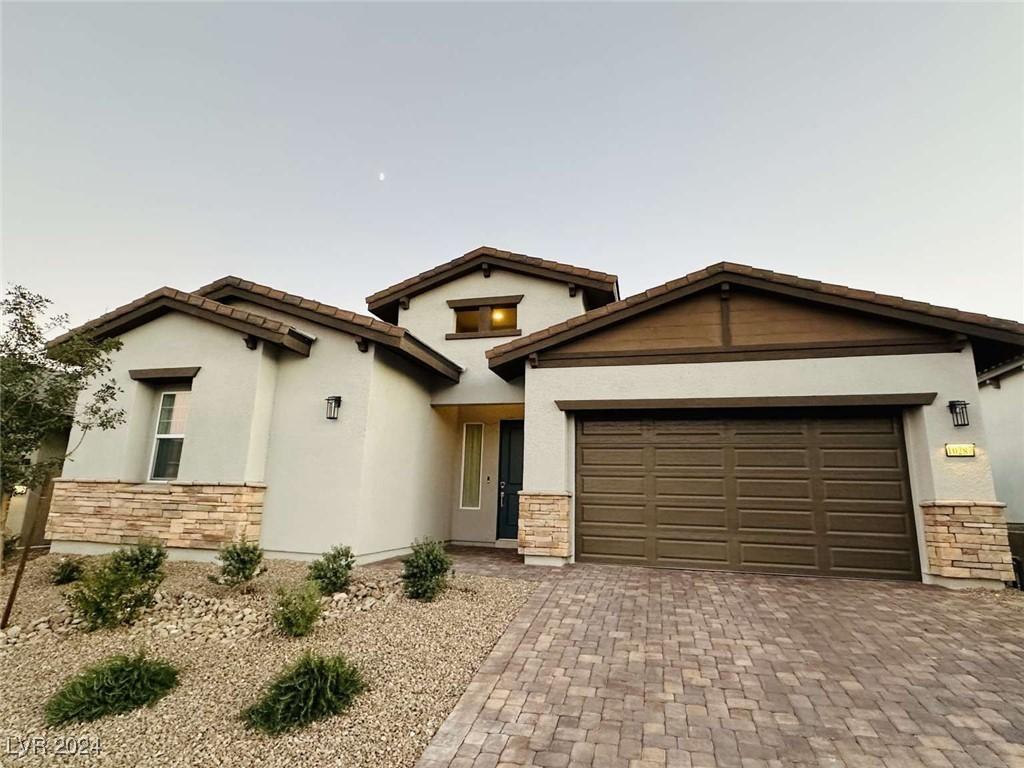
640, 668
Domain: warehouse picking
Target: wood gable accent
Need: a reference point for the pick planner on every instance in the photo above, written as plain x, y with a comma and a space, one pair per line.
729, 322
901, 325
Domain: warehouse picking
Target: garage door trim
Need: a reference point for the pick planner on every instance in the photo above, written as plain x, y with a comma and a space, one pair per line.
804, 401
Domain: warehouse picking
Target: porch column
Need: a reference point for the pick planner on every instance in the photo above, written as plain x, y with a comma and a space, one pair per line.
966, 544
544, 527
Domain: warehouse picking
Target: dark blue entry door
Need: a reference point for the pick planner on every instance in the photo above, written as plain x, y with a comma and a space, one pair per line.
510, 478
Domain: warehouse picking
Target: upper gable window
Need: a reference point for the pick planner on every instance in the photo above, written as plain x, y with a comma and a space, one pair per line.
485, 317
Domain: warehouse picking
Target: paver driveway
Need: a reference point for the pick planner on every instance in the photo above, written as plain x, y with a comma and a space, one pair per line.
632, 667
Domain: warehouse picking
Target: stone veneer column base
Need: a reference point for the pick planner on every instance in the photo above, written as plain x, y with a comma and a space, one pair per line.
966, 540
188, 515
544, 527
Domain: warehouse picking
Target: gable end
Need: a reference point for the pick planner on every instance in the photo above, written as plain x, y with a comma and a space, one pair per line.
735, 322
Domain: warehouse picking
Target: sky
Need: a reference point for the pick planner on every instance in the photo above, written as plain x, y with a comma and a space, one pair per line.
875, 145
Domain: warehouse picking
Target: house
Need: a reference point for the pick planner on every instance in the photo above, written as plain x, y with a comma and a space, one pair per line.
732, 419
1001, 396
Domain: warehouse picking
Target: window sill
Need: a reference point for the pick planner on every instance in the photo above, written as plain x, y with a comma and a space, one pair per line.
483, 334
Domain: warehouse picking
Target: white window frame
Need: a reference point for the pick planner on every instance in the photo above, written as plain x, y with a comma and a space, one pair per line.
157, 436
480, 469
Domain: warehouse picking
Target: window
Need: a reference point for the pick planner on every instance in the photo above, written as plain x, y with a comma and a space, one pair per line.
170, 435
503, 318
467, 320
472, 464
479, 318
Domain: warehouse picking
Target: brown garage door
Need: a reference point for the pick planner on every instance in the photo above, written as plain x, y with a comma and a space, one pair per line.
822, 493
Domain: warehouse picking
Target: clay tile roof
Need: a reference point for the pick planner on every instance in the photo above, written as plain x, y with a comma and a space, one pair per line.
405, 287
507, 351
119, 319
396, 336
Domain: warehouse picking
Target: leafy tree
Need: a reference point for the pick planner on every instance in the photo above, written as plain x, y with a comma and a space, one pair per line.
40, 387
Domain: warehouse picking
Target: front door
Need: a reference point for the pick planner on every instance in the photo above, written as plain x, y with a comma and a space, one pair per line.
510, 478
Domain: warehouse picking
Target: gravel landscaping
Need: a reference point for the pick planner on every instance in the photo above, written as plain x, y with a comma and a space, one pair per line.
416, 657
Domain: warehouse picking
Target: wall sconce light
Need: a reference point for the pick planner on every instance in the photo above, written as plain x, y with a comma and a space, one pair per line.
333, 406
959, 410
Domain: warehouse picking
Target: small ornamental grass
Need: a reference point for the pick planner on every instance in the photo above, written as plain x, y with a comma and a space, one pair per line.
66, 570
240, 563
313, 688
297, 610
425, 572
333, 572
118, 684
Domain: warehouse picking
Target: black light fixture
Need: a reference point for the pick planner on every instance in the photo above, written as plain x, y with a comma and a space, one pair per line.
333, 406
959, 410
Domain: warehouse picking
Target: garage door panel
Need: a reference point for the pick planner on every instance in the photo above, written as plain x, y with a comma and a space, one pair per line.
700, 517
770, 459
860, 425
612, 486
796, 494
689, 486
864, 489
688, 457
617, 428
708, 428
784, 556
860, 458
610, 456
693, 552
612, 513
858, 522
773, 489
617, 547
858, 561
789, 520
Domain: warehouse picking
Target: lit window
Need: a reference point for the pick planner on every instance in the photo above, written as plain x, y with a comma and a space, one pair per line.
467, 320
494, 316
503, 318
472, 464
170, 435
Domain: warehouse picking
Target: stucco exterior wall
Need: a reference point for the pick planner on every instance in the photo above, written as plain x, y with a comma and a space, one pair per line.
429, 317
224, 400
314, 465
549, 465
1003, 411
405, 493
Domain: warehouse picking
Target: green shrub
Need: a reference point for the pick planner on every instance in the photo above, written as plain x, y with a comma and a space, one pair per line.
66, 570
425, 572
311, 689
10, 545
117, 684
297, 609
333, 571
144, 559
240, 563
109, 596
